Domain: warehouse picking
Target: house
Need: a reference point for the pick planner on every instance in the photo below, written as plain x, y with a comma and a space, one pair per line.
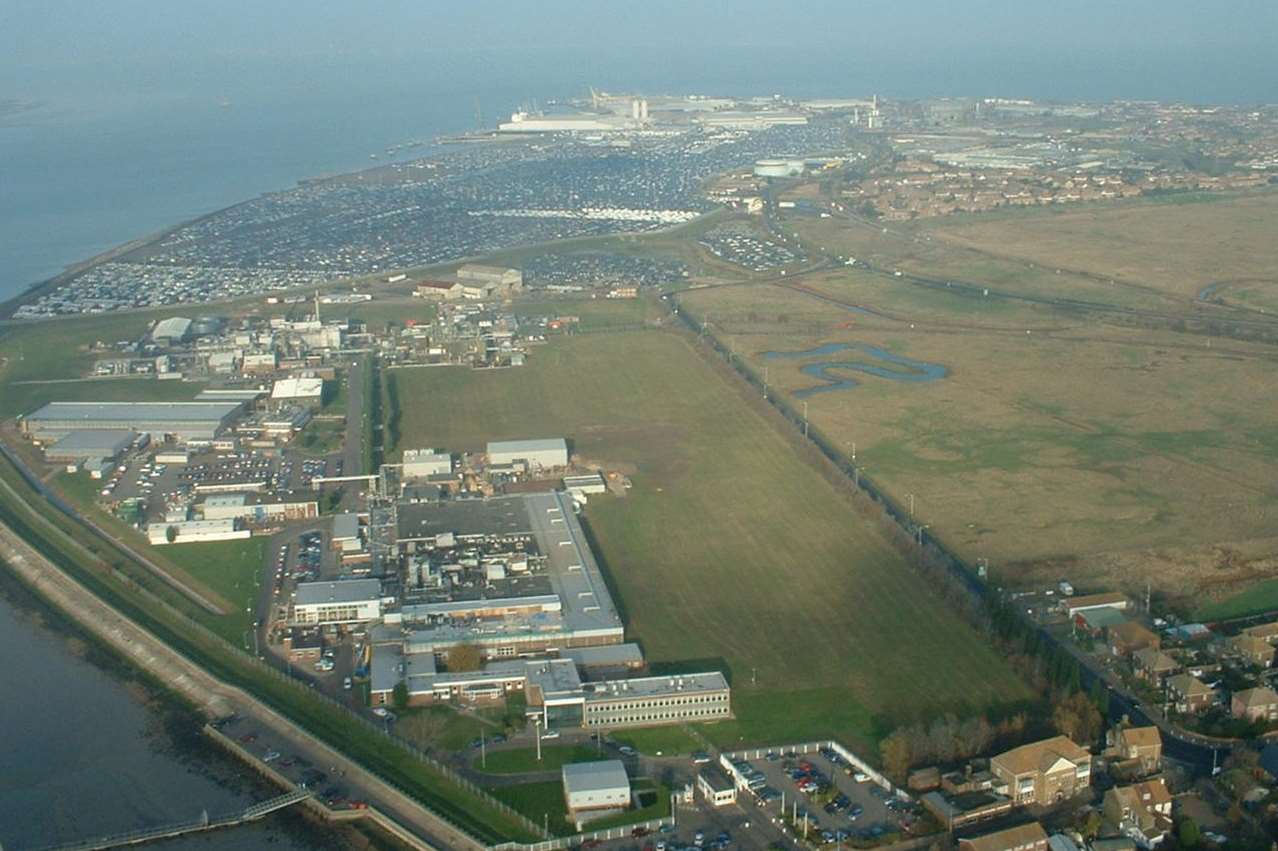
1024, 837
1265, 631
1255, 704
1141, 747
1043, 772
1154, 665
1141, 811
1189, 694
1254, 648
1126, 638
1097, 621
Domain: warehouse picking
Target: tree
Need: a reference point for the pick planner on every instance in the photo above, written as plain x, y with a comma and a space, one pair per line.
465, 657
399, 695
896, 755
1188, 833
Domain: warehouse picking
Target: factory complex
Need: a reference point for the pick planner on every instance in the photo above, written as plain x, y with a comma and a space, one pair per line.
484, 596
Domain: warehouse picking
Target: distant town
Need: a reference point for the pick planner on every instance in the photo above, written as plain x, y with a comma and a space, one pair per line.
634, 164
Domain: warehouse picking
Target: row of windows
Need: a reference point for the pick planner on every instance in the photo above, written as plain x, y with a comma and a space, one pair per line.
687, 700
633, 717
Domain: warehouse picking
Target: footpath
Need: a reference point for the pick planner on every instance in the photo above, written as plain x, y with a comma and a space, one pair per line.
387, 806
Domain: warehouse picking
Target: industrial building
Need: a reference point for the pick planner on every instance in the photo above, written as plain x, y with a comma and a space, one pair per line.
307, 391
345, 602
480, 282
238, 507
175, 329
545, 454
778, 168
421, 463
562, 604
79, 446
192, 531
183, 420
553, 688
594, 790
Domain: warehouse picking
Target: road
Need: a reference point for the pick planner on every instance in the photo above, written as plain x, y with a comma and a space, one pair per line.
356, 407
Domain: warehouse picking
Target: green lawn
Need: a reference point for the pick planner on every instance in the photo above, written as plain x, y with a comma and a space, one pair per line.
541, 802
660, 740
524, 760
448, 729
1261, 597
229, 568
729, 552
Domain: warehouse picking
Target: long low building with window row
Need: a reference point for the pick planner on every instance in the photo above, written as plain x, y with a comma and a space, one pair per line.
554, 691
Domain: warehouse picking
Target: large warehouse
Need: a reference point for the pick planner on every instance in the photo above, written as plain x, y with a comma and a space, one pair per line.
90, 445
544, 454
183, 420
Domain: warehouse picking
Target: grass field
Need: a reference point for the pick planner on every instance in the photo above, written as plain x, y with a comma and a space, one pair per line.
729, 551
229, 568
1060, 442
1177, 248
542, 802
524, 760
658, 740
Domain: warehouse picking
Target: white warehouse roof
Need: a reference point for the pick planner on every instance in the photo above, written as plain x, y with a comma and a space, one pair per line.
596, 784
298, 388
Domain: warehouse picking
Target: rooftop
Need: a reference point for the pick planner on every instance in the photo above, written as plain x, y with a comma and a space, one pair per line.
298, 388
548, 444
595, 776
1021, 836
345, 591
1040, 756
107, 441
126, 412
711, 681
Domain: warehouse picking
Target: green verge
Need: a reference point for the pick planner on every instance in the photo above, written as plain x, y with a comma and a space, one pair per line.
1258, 599
663, 741
524, 760
110, 576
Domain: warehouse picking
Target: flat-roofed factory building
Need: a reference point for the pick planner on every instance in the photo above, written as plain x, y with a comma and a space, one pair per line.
594, 790
78, 446
564, 603
183, 420
545, 453
422, 463
344, 602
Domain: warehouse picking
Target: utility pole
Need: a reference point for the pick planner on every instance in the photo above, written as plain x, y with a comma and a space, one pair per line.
483, 750
765, 382
537, 731
910, 497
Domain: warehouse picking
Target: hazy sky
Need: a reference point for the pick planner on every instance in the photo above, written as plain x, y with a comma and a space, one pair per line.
50, 34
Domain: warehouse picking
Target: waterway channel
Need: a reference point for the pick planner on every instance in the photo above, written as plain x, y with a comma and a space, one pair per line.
900, 368
86, 749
